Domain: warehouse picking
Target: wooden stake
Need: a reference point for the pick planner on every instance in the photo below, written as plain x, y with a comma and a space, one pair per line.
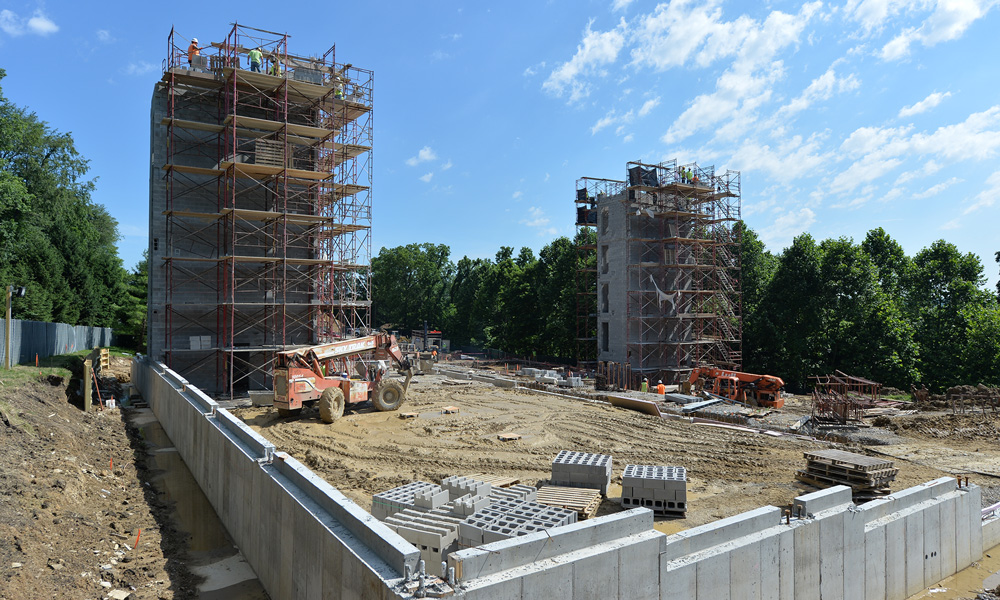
137, 539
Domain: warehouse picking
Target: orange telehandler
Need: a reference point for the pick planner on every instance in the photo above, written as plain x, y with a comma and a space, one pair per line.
321, 373
746, 388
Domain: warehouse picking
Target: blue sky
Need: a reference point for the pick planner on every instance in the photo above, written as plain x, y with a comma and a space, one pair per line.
842, 116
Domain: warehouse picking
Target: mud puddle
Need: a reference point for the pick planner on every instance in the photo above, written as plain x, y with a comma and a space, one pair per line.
210, 552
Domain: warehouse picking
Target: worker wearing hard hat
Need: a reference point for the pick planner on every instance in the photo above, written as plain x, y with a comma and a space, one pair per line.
256, 57
660, 388
275, 68
193, 50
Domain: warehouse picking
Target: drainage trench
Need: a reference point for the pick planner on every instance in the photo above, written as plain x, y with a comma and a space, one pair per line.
210, 551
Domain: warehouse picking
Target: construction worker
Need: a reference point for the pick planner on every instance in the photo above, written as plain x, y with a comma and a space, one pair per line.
256, 57
644, 387
660, 388
275, 68
434, 355
338, 90
193, 50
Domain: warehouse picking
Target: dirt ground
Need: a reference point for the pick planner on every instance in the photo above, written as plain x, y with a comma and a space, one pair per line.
75, 496
366, 451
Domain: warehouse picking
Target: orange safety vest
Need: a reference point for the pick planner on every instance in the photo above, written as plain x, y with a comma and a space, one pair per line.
661, 389
193, 51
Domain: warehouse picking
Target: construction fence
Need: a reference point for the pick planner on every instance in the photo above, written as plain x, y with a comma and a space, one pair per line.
35, 338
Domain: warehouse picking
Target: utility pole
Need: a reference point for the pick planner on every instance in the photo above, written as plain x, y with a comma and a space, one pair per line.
12, 292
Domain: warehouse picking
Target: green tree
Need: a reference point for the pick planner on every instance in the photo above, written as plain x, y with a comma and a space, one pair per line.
944, 290
412, 284
53, 239
791, 308
757, 268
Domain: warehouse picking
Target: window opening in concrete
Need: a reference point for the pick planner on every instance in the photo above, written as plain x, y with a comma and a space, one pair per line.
604, 298
605, 346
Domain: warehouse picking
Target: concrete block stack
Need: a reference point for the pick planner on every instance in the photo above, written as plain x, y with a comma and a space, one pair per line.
434, 533
521, 492
509, 518
458, 486
388, 503
469, 505
571, 382
429, 498
582, 469
659, 488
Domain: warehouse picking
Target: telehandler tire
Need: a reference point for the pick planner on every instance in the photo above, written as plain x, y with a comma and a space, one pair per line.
331, 404
389, 395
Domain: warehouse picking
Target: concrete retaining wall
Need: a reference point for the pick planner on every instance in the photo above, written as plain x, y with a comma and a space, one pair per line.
303, 538
888, 549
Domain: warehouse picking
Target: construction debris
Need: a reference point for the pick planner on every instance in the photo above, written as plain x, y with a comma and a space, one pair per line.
869, 477
840, 398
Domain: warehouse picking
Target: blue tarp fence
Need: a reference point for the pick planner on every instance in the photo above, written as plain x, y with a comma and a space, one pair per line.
29, 338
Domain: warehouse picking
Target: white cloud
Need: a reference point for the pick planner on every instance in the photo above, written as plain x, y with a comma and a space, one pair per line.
783, 228
628, 138
426, 178
534, 69
821, 88
648, 106
872, 14
786, 162
924, 105
952, 224
425, 155
139, 67
597, 50
537, 219
949, 21
546, 177
612, 119
928, 168
517, 194
987, 197
104, 36
747, 82
37, 24
880, 150
621, 4
934, 190
447, 165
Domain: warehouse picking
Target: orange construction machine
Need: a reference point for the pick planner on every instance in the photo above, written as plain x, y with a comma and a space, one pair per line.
322, 373
746, 388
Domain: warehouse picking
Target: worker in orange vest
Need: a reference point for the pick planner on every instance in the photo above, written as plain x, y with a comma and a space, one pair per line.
193, 50
660, 388
434, 355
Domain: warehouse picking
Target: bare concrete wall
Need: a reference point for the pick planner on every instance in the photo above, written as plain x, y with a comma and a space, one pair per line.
303, 538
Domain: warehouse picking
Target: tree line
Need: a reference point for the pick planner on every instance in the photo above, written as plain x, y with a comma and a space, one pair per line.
54, 240
867, 309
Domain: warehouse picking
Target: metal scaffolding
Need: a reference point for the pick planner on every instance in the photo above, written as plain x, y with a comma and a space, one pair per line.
268, 205
679, 253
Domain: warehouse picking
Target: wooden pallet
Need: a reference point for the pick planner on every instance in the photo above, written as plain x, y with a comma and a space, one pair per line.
824, 468
583, 501
858, 462
822, 481
497, 481
508, 437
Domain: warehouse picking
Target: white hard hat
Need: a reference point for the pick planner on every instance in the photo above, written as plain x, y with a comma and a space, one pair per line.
194, 40
660, 381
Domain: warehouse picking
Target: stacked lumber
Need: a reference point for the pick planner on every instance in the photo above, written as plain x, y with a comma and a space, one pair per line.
869, 477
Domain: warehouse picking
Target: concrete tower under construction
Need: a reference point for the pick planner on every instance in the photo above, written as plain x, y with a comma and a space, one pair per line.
659, 286
260, 205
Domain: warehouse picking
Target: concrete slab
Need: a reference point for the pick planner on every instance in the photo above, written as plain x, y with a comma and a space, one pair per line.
831, 557
914, 552
596, 577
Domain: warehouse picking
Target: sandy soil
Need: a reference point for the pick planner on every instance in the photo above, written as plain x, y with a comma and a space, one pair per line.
366, 452
74, 498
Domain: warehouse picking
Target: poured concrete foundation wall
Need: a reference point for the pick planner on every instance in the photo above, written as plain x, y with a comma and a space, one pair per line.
303, 538
888, 549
